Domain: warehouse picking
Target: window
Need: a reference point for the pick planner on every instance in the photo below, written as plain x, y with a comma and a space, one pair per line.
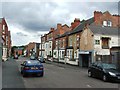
3, 27
77, 38
97, 42
67, 53
70, 54
50, 44
105, 43
70, 41
105, 23
63, 54
56, 43
50, 53
109, 23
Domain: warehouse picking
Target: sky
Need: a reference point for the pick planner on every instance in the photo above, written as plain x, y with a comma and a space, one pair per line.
28, 20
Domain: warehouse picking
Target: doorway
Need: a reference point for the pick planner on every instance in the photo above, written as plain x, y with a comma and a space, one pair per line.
85, 60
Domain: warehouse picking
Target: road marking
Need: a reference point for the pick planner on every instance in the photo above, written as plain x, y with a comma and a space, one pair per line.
88, 86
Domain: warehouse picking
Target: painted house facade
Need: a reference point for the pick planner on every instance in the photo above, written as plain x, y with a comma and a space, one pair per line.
42, 46
98, 38
95, 44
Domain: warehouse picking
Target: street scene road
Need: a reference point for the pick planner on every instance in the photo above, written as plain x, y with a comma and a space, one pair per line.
55, 76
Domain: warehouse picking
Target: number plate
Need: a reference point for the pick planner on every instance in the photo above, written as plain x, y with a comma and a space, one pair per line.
34, 68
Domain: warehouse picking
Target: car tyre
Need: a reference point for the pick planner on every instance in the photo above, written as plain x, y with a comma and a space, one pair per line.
104, 78
89, 74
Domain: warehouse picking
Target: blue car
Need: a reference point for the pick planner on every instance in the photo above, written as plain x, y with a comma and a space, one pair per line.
32, 67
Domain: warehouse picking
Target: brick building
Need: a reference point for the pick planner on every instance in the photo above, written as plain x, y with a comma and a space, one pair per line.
6, 39
71, 41
30, 49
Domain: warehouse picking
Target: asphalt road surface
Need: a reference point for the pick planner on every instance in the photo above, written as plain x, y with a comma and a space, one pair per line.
55, 76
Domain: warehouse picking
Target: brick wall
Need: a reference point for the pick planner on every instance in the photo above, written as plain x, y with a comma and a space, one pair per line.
99, 17
29, 47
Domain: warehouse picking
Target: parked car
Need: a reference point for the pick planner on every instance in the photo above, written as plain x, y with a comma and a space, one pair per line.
15, 57
32, 58
41, 59
104, 71
32, 67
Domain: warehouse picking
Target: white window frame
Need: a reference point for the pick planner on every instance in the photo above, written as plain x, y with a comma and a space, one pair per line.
104, 23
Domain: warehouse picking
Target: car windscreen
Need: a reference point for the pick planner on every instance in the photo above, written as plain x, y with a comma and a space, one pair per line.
33, 63
109, 66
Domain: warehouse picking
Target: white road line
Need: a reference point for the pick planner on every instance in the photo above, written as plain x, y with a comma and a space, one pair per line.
88, 86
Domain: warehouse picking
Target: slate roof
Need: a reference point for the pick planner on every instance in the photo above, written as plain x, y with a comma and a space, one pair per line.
104, 30
79, 28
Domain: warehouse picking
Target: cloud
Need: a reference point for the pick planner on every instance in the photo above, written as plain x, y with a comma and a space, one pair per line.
31, 19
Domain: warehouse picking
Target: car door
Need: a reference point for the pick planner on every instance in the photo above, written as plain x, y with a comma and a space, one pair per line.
99, 70
93, 69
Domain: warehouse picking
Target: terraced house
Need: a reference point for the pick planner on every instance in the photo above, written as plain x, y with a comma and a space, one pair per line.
6, 39
88, 40
99, 25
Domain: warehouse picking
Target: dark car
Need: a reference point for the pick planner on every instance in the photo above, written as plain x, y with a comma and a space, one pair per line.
32, 67
41, 59
32, 58
104, 71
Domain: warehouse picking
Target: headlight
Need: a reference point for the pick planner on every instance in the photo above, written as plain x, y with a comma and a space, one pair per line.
112, 74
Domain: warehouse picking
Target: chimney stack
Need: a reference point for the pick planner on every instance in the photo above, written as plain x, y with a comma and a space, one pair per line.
97, 15
75, 23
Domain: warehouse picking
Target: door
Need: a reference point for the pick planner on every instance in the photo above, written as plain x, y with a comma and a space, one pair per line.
85, 60
99, 71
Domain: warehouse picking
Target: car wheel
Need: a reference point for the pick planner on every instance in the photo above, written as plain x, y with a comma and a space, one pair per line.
89, 73
104, 78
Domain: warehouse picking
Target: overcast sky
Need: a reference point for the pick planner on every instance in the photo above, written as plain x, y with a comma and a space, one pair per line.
28, 20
